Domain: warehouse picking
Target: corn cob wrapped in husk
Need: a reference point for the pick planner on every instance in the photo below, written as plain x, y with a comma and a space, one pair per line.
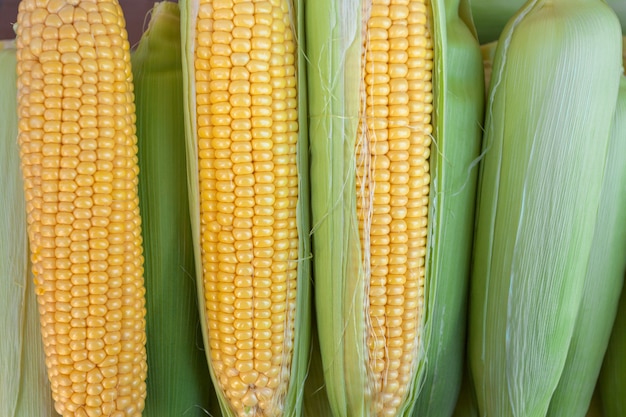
178, 382
553, 91
245, 107
603, 283
387, 80
24, 387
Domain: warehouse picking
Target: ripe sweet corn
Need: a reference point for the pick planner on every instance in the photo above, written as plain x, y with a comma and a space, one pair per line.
246, 155
78, 157
389, 299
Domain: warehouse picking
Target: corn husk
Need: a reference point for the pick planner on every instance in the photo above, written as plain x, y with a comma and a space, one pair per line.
552, 98
603, 284
178, 381
24, 387
334, 52
457, 137
315, 401
301, 348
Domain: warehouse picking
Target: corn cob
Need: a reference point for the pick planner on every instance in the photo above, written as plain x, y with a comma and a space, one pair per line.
78, 157
389, 304
553, 93
179, 382
246, 156
24, 386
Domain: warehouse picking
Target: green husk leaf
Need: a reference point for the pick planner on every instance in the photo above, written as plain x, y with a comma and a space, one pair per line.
315, 397
603, 284
492, 15
458, 116
178, 379
24, 387
334, 52
301, 349
552, 98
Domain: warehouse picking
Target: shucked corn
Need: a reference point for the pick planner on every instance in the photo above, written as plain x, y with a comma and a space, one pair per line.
78, 151
245, 174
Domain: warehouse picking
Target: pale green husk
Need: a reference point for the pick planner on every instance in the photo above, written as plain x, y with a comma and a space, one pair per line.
603, 284
178, 381
334, 52
491, 15
315, 402
24, 387
551, 103
301, 349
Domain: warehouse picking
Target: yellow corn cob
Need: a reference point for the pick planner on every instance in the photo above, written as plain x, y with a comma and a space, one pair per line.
392, 186
244, 133
78, 152
389, 304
